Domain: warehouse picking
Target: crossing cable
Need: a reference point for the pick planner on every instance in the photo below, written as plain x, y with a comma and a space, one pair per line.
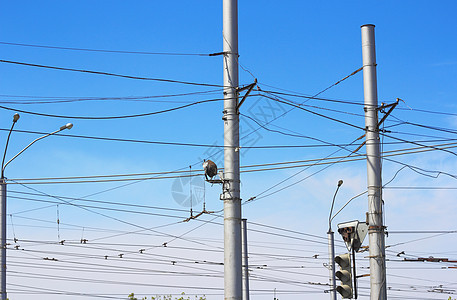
452, 131
417, 134
256, 197
299, 106
95, 229
142, 212
103, 202
314, 98
417, 144
107, 216
315, 95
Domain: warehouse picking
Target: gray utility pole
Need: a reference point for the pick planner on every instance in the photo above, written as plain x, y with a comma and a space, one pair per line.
231, 194
244, 239
3, 295
3, 238
374, 216
331, 266
331, 247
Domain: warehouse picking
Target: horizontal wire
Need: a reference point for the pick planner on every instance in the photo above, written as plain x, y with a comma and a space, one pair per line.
109, 74
314, 98
104, 202
112, 117
428, 111
141, 212
202, 145
420, 188
341, 159
68, 99
106, 50
299, 106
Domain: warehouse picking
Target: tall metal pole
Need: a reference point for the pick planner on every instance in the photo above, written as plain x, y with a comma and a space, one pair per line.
3, 237
3, 200
331, 266
331, 246
231, 194
374, 216
244, 240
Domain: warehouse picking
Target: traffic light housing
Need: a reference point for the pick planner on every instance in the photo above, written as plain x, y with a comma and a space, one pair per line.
344, 275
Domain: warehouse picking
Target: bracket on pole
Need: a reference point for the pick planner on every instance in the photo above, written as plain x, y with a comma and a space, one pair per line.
392, 107
198, 215
249, 88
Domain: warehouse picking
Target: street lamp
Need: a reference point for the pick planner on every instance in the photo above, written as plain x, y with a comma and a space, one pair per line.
3, 201
331, 247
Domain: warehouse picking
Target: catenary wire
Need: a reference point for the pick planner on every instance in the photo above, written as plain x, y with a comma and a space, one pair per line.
108, 74
106, 50
111, 117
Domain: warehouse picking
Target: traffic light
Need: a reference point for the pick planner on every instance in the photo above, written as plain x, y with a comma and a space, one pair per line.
345, 275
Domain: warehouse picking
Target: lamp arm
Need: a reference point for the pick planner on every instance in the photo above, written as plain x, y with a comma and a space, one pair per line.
35, 140
356, 196
6, 148
331, 210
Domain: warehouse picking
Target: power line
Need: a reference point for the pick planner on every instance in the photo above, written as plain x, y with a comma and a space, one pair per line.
429, 111
56, 99
104, 202
315, 95
109, 74
427, 126
142, 212
315, 98
293, 175
111, 117
204, 145
247, 169
107, 216
299, 106
107, 50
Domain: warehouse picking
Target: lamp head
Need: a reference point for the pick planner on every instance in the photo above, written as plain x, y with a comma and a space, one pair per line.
67, 126
16, 117
210, 168
340, 183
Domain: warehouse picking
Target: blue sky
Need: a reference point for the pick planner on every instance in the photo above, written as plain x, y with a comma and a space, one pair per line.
300, 47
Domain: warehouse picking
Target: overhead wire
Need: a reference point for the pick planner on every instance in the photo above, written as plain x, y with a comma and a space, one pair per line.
300, 106
257, 196
428, 111
315, 98
245, 169
106, 50
104, 202
315, 95
111, 117
197, 144
108, 74
108, 216
67, 99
